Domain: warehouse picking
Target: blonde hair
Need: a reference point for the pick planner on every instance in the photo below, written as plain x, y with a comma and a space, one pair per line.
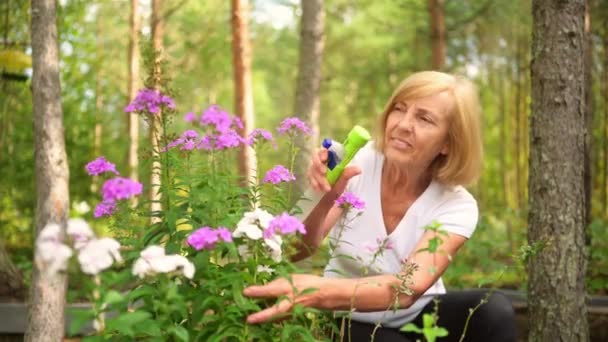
462, 163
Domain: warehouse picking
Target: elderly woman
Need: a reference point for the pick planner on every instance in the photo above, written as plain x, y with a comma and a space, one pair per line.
411, 176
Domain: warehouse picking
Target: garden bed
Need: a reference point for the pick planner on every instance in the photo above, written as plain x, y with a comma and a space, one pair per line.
13, 317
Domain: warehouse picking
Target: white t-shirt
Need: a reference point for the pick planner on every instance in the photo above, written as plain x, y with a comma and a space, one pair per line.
454, 208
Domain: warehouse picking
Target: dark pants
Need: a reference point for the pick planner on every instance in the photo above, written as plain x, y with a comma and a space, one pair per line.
493, 321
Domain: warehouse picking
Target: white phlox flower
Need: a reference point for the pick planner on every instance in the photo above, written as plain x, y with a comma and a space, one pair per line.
244, 251
253, 224
264, 268
81, 207
274, 244
80, 232
98, 255
51, 254
153, 260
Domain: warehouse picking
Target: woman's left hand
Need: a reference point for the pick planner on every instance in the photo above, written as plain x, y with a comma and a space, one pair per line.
293, 293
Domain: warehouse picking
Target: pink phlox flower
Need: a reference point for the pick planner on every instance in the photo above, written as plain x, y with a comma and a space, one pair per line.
206, 237
292, 126
215, 116
259, 135
104, 208
237, 122
278, 174
119, 188
228, 139
99, 166
380, 246
190, 117
285, 224
150, 100
350, 200
186, 141
205, 143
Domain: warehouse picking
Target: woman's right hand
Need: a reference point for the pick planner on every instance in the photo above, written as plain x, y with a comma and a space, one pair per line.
317, 174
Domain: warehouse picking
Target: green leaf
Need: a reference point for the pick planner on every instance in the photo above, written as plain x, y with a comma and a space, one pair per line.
411, 327
113, 297
180, 332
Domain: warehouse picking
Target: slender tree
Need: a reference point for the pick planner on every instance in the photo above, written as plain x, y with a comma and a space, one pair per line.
156, 129
436, 10
132, 86
98, 100
556, 289
243, 93
312, 41
589, 117
47, 297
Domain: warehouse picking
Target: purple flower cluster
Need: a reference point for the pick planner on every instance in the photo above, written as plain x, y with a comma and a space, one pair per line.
104, 209
99, 166
350, 200
150, 101
114, 189
292, 126
190, 117
285, 224
187, 141
260, 135
119, 188
206, 237
215, 116
278, 174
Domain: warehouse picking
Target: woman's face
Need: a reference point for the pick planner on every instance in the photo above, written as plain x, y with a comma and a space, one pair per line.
416, 130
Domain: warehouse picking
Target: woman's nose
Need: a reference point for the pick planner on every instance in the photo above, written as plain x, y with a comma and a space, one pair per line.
407, 121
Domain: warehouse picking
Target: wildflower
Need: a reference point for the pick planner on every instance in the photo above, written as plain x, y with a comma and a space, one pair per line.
98, 255
227, 139
253, 224
99, 166
104, 208
206, 143
274, 244
206, 238
259, 135
264, 269
379, 246
189, 117
215, 116
51, 254
350, 200
149, 100
292, 126
186, 140
278, 174
80, 232
153, 260
120, 188
286, 224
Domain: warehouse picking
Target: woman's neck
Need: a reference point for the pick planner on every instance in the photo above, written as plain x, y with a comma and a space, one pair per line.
405, 180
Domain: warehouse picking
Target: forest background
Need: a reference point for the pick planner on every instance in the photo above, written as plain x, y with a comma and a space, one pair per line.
369, 47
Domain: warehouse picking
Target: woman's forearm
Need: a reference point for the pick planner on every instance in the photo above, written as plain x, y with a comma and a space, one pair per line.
377, 293
316, 227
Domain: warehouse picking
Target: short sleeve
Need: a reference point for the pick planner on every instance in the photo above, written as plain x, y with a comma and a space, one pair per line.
458, 215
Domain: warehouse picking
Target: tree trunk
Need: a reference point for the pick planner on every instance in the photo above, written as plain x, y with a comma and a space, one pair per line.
588, 120
438, 33
605, 128
98, 102
307, 102
156, 129
556, 288
47, 298
132, 87
11, 281
243, 93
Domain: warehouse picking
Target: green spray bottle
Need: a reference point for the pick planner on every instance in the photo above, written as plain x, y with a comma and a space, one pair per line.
355, 140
